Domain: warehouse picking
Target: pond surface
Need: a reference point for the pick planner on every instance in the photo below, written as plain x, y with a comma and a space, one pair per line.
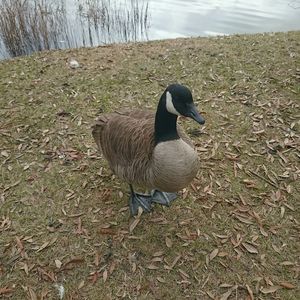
180, 18
94, 22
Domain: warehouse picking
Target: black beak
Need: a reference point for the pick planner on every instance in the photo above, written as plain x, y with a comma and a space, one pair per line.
194, 114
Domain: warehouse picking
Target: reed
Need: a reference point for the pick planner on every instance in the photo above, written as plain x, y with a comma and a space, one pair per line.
111, 21
28, 26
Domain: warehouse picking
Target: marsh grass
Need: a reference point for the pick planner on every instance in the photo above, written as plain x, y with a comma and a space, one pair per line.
109, 21
27, 26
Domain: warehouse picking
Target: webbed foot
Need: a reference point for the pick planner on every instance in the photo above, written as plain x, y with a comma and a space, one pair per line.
163, 198
139, 200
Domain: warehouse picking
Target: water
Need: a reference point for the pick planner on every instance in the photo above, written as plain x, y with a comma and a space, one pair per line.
180, 18
94, 22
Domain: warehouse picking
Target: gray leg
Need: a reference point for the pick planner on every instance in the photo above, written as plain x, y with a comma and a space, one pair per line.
138, 200
163, 198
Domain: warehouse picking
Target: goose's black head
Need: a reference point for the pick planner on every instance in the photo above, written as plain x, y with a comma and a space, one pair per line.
179, 101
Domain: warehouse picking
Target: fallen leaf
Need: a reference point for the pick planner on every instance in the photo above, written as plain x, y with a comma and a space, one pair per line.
225, 285
5, 290
20, 244
277, 249
173, 263
44, 294
287, 285
160, 279
107, 231
47, 275
244, 220
213, 254
32, 294
250, 248
134, 224
81, 284
287, 263
112, 267
262, 231
269, 290
24, 267
184, 274
11, 186
43, 246
226, 295
158, 253
105, 275
169, 242
58, 263
157, 259
75, 260
152, 267
46, 244
4, 153
250, 292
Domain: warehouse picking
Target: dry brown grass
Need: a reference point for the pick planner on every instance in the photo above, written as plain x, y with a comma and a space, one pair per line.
64, 221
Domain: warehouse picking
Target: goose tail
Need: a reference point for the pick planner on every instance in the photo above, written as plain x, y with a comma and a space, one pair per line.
98, 128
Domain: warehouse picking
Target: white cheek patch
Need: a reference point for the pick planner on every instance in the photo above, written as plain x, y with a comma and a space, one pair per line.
170, 106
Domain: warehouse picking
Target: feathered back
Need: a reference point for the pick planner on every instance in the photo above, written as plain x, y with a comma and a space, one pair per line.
126, 140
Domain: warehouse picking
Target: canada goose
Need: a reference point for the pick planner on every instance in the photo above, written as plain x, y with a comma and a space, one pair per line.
148, 150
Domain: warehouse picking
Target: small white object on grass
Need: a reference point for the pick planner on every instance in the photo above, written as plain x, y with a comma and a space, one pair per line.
74, 64
61, 291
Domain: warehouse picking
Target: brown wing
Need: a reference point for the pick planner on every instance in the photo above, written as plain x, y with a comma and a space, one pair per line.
127, 142
137, 114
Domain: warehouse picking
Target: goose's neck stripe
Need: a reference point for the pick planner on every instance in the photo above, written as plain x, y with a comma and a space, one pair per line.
170, 106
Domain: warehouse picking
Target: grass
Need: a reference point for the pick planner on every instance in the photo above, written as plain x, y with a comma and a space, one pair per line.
64, 221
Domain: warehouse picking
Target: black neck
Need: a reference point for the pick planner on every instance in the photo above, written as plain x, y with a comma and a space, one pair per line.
165, 123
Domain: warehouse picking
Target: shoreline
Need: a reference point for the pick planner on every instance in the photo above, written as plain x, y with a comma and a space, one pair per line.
145, 43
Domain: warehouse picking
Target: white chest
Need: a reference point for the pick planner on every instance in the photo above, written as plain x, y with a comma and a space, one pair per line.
175, 165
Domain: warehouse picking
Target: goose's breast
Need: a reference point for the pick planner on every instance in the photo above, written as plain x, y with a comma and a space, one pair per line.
175, 165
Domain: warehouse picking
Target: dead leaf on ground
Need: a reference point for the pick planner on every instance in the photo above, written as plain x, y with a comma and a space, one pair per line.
70, 264
213, 254
169, 242
58, 263
5, 290
135, 222
105, 275
32, 294
270, 290
226, 295
250, 248
152, 267
250, 292
287, 285
158, 253
81, 284
160, 279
